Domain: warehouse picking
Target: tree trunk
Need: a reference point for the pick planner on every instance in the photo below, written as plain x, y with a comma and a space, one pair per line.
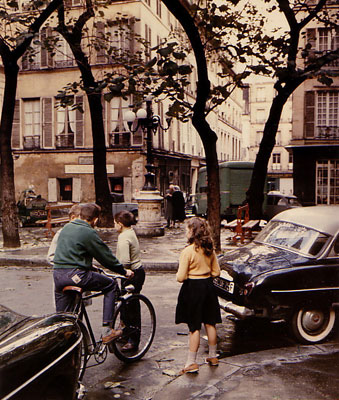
212, 165
10, 228
102, 193
255, 193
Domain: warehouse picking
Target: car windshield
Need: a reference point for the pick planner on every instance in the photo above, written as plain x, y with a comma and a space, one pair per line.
295, 237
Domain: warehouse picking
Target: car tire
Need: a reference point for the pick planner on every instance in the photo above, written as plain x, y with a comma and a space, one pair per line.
311, 325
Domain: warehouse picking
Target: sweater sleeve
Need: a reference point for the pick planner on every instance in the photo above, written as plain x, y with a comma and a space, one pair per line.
101, 252
123, 251
215, 268
52, 247
184, 262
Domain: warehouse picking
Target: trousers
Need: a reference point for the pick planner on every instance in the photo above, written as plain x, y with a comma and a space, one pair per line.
87, 280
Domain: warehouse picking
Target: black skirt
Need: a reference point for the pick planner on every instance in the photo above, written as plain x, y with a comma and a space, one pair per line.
197, 304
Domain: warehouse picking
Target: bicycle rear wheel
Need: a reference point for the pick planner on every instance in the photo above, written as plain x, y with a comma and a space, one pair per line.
136, 317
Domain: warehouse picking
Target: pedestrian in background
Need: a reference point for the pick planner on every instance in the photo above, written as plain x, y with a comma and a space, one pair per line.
128, 253
169, 206
197, 299
178, 206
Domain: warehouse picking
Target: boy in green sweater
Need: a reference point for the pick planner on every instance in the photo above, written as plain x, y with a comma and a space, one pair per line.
77, 245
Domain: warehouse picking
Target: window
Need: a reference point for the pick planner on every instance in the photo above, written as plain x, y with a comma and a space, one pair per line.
119, 40
261, 114
32, 58
276, 160
119, 135
327, 114
321, 114
158, 8
261, 95
63, 53
65, 186
327, 183
65, 119
31, 117
322, 40
148, 38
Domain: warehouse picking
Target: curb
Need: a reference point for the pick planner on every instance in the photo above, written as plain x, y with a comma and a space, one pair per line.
16, 261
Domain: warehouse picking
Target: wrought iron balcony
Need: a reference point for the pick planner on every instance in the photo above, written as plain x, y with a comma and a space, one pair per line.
64, 141
327, 132
120, 139
32, 142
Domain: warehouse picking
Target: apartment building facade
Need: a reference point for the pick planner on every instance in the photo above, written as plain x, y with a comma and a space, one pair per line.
52, 147
315, 128
258, 94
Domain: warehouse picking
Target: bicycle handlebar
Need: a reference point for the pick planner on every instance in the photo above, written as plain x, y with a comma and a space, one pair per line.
110, 275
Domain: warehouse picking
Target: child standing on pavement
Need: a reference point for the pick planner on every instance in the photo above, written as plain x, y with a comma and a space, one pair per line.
128, 253
197, 300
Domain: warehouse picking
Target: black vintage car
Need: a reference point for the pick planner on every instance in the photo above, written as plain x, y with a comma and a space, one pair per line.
290, 271
40, 357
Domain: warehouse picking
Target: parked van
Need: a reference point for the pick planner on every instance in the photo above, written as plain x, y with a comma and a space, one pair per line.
235, 177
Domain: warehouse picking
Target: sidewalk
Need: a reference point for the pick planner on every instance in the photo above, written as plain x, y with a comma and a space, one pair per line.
157, 253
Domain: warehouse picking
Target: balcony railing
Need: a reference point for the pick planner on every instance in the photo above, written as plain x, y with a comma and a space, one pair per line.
120, 139
32, 142
64, 141
327, 132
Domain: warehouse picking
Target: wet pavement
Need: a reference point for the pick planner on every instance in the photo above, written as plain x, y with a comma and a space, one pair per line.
257, 362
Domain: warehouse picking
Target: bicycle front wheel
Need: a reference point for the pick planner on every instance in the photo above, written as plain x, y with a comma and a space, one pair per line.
136, 317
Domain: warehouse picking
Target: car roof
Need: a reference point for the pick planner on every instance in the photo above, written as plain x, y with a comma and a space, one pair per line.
276, 193
322, 218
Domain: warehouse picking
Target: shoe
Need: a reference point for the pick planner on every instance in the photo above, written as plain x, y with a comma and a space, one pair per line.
113, 335
190, 369
212, 361
129, 346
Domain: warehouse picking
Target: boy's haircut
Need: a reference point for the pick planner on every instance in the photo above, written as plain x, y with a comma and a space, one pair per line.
89, 211
125, 217
74, 211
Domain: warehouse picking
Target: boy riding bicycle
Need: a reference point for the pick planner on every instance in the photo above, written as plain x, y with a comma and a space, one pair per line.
77, 245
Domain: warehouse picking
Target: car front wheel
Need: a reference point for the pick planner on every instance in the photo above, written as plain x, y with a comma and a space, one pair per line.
312, 325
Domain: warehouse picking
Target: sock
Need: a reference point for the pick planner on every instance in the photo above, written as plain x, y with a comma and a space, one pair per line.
212, 351
191, 358
106, 330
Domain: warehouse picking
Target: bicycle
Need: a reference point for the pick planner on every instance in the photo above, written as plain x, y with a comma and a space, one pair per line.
143, 329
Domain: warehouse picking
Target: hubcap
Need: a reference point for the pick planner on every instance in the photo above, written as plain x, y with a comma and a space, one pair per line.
312, 320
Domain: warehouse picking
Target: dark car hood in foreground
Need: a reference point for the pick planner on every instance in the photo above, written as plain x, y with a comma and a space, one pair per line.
255, 258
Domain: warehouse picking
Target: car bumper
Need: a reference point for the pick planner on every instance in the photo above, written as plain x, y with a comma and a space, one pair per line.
239, 311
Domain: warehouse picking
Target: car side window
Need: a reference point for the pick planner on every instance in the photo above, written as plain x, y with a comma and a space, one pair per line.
282, 202
335, 248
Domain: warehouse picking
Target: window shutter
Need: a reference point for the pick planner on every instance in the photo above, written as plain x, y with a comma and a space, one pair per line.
52, 190
312, 41
76, 190
46, 57
309, 116
16, 125
100, 26
47, 122
104, 118
132, 35
79, 123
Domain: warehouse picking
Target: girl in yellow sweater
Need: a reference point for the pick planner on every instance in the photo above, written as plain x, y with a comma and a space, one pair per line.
197, 300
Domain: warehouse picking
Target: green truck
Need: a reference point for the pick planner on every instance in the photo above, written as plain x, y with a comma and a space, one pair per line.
235, 177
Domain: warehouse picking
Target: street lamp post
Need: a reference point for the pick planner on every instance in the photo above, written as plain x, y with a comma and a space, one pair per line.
149, 200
